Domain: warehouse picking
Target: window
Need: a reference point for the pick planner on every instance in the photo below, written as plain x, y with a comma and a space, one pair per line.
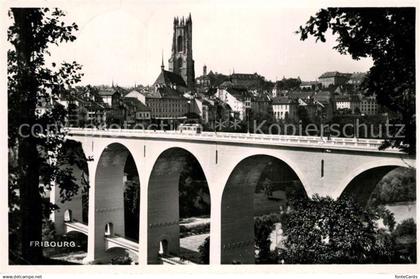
68, 216
163, 247
180, 44
179, 63
109, 229
322, 168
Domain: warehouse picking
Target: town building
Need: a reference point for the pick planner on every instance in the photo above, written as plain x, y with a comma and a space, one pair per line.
84, 108
238, 99
109, 96
167, 103
203, 82
333, 78
356, 78
136, 94
285, 108
136, 112
261, 104
319, 105
368, 105
166, 100
343, 102
310, 85
248, 81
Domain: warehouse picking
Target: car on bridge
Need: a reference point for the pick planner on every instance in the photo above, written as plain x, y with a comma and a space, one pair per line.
190, 128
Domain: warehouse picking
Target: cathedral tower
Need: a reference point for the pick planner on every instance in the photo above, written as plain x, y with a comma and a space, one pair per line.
181, 61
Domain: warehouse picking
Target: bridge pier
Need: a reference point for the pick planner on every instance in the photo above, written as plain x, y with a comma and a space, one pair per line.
73, 207
106, 200
143, 222
237, 216
163, 208
215, 227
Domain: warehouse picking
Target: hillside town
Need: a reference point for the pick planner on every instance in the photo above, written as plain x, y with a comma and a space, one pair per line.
177, 95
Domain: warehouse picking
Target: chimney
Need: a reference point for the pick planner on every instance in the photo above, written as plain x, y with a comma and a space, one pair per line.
204, 70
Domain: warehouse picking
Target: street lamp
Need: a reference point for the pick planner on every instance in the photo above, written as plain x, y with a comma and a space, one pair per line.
247, 108
189, 108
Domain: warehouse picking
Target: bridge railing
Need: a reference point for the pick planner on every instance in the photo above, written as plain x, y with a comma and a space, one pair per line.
289, 139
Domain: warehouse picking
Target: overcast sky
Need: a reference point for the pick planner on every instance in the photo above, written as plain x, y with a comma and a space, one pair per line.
123, 41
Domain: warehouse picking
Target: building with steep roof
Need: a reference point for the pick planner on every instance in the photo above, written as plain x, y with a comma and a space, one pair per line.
333, 78
248, 81
136, 94
135, 111
109, 96
171, 80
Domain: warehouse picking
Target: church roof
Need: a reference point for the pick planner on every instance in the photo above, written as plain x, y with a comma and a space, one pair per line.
168, 93
168, 78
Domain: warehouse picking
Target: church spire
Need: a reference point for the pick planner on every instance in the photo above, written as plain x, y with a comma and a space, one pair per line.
162, 67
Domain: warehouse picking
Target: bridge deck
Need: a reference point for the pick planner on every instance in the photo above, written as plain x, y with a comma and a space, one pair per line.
279, 140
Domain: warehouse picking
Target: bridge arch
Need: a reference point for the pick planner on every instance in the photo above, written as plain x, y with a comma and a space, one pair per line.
361, 182
109, 184
165, 202
237, 212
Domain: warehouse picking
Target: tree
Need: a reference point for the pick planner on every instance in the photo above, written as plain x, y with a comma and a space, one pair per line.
388, 36
193, 190
405, 241
326, 231
36, 138
263, 227
303, 115
399, 185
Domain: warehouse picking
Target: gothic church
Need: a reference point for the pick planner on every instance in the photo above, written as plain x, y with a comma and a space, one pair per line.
181, 61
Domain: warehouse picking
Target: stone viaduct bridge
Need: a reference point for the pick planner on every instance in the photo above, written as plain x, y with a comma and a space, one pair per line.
232, 164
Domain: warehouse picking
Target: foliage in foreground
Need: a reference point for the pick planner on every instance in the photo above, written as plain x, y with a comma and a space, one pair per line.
32, 86
387, 35
322, 230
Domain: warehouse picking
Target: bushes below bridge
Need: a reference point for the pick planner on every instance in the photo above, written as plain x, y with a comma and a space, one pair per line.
398, 185
326, 231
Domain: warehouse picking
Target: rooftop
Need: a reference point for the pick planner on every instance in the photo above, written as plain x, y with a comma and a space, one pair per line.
167, 78
334, 74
